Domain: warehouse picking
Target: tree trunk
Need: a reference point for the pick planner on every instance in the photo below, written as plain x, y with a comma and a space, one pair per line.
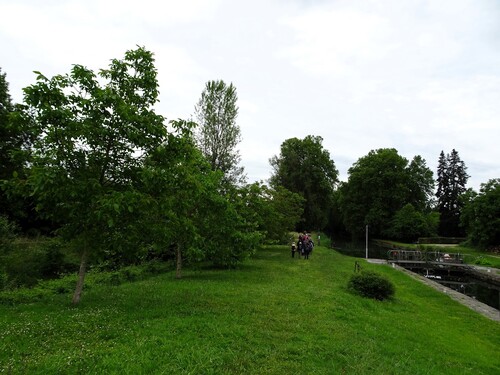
179, 263
81, 277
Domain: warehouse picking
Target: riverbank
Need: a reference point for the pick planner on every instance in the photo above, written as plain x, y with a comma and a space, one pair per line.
471, 255
472, 303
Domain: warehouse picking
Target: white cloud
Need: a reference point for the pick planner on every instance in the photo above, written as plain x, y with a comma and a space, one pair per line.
420, 76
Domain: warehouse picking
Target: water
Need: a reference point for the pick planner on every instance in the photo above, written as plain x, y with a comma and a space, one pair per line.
460, 281
358, 249
463, 282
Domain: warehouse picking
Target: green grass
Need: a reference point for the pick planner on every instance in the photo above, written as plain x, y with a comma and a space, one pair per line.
275, 315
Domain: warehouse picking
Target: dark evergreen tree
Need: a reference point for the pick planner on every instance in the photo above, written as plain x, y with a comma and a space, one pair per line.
452, 178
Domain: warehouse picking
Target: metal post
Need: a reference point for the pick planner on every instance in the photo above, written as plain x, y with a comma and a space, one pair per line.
367, 241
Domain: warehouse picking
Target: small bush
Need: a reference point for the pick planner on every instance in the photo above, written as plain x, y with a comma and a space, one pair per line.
372, 285
482, 261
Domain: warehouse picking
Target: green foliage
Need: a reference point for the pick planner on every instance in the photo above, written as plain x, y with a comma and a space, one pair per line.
408, 224
441, 240
92, 135
451, 178
187, 213
276, 210
229, 230
305, 167
482, 261
7, 232
14, 203
481, 215
379, 185
30, 260
96, 277
420, 184
372, 285
284, 213
218, 135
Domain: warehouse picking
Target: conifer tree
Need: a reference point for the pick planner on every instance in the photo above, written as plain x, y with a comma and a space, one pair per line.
452, 179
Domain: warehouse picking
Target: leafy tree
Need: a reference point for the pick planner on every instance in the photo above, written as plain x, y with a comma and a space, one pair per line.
277, 211
15, 144
218, 135
379, 185
5, 100
284, 212
91, 140
481, 215
375, 191
336, 227
305, 168
420, 184
188, 216
230, 229
8, 143
408, 224
452, 179
175, 177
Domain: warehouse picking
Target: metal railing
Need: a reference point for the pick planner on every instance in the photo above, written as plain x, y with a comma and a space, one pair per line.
426, 256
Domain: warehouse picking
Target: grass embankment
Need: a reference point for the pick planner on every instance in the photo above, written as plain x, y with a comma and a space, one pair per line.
275, 315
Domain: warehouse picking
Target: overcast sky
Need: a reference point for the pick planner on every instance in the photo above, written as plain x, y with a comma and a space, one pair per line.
420, 76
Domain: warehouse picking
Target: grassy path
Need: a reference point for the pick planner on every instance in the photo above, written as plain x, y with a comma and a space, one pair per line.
275, 315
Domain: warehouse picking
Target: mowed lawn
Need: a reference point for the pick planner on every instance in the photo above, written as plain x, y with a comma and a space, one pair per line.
274, 315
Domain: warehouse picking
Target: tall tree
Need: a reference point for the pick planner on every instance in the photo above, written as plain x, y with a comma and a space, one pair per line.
188, 217
305, 167
379, 185
420, 184
5, 99
375, 191
452, 179
277, 210
14, 150
7, 141
93, 134
218, 133
481, 215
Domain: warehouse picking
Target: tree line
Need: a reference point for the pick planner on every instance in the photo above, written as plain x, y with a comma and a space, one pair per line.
397, 198
86, 159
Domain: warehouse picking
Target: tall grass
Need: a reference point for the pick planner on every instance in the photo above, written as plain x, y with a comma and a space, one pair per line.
274, 315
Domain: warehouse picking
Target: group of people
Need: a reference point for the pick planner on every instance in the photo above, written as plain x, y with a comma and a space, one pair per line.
304, 246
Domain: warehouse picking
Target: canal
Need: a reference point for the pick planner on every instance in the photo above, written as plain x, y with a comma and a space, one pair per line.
461, 280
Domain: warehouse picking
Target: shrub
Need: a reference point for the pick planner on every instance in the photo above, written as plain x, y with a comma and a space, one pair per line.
30, 260
441, 240
482, 261
372, 285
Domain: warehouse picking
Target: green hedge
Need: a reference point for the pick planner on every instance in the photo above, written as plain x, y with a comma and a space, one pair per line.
441, 240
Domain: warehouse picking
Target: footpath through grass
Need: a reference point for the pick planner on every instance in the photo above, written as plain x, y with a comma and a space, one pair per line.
275, 315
